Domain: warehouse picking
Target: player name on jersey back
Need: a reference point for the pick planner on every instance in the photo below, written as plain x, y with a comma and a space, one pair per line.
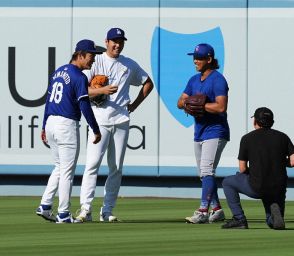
62, 74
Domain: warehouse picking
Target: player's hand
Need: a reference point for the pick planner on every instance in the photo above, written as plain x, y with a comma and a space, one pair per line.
97, 138
109, 89
43, 136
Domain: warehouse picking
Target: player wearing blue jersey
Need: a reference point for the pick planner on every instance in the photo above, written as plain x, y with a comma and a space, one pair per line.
113, 118
67, 97
211, 131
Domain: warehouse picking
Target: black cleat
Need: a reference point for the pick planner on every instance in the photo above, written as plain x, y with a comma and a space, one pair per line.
235, 223
277, 218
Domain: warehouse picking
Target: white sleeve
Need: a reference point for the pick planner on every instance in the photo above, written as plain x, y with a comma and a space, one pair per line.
140, 76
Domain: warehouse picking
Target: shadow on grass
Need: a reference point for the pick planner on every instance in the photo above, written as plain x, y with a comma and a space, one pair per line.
151, 221
262, 221
251, 221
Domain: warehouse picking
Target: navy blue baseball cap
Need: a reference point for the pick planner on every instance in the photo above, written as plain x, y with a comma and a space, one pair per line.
86, 45
114, 33
264, 117
203, 51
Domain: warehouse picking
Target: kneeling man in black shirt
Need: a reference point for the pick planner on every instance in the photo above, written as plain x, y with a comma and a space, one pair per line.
263, 157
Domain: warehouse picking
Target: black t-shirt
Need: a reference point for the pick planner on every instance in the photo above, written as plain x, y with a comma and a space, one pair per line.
266, 151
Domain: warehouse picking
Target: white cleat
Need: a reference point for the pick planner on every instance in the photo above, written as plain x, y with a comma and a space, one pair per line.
216, 216
83, 215
64, 218
46, 214
107, 217
198, 218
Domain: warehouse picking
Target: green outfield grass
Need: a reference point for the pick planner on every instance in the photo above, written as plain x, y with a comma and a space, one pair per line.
149, 226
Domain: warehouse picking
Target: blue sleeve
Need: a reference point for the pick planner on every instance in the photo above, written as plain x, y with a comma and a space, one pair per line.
46, 112
82, 86
188, 89
220, 86
193, 87
87, 111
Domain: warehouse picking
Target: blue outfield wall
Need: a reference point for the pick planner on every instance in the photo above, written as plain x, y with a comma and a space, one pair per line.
151, 171
151, 3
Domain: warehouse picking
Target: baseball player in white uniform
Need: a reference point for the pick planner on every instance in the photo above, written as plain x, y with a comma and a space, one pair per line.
113, 119
67, 97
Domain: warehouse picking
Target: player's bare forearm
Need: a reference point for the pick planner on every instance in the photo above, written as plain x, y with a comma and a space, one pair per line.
181, 101
147, 88
291, 161
108, 90
219, 106
243, 166
144, 92
93, 92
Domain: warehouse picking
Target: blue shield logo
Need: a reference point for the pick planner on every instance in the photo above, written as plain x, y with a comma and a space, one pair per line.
172, 67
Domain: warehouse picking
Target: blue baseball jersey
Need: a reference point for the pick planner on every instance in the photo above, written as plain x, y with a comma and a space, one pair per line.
68, 85
210, 126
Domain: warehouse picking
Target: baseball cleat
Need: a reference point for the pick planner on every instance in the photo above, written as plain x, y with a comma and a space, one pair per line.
277, 218
198, 218
45, 211
64, 218
235, 223
216, 216
83, 215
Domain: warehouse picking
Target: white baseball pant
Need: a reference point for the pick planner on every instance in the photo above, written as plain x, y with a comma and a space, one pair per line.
207, 154
114, 140
64, 139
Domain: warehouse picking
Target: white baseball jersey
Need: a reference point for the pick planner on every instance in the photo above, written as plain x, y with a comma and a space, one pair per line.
123, 72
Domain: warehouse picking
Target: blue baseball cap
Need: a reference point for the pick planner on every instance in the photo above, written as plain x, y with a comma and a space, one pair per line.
86, 45
114, 33
203, 51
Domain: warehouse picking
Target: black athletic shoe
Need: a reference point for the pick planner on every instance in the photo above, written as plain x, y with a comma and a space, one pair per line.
235, 223
277, 218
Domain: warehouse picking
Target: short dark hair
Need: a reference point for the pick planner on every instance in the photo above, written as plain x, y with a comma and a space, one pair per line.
76, 54
265, 123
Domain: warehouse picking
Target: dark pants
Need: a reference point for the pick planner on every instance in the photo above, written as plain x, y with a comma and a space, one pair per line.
239, 183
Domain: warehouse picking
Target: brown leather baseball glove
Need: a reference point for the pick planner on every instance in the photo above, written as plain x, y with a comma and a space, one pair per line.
98, 81
194, 105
